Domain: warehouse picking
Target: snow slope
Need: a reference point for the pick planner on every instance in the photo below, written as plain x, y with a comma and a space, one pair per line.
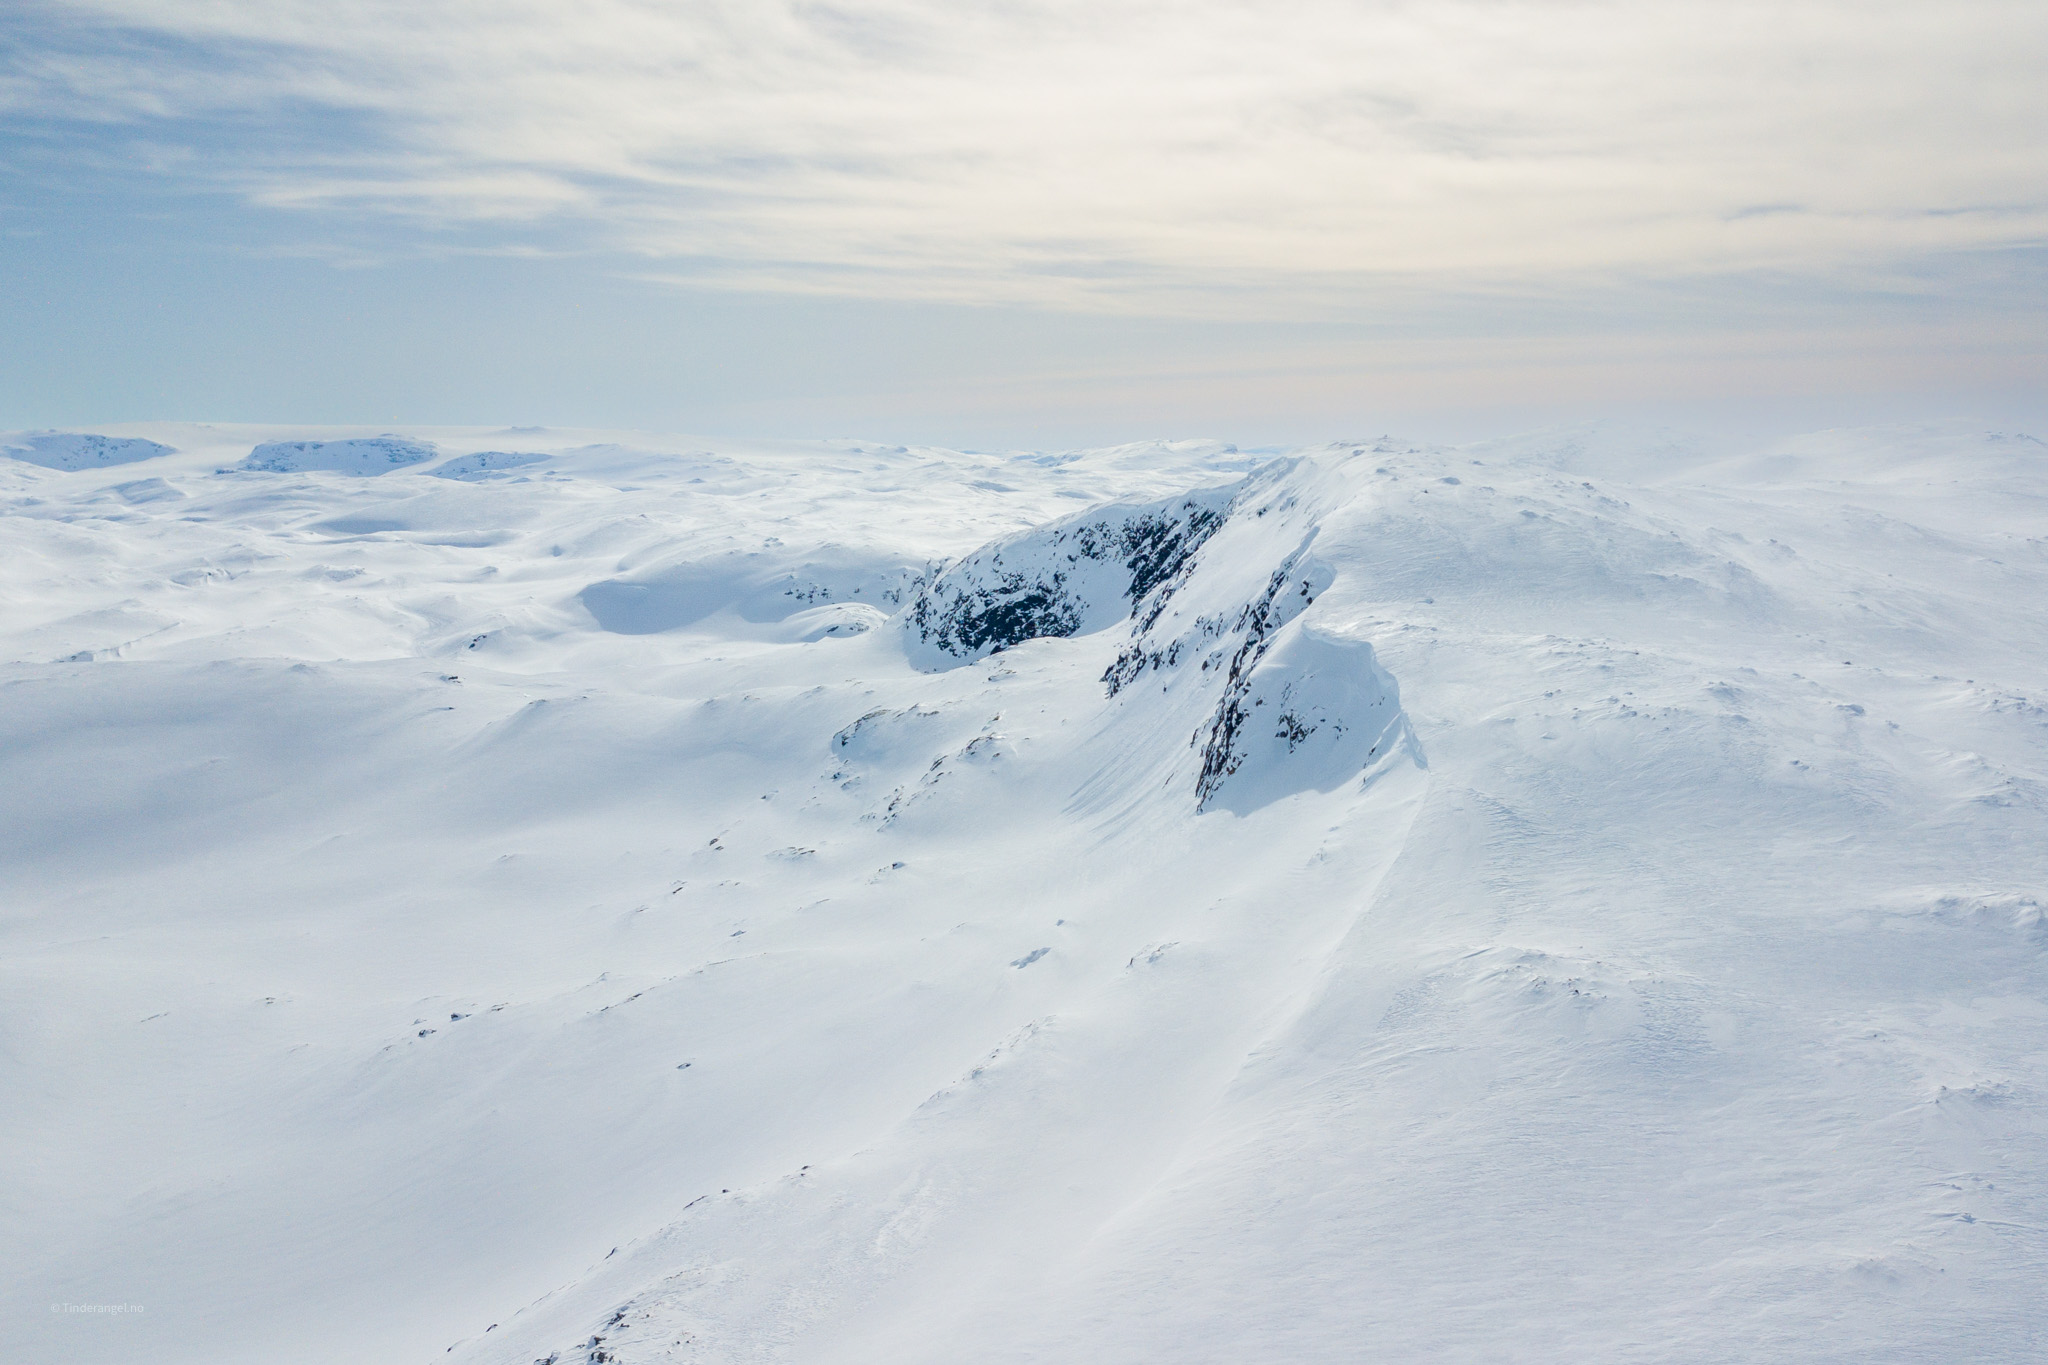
1579, 896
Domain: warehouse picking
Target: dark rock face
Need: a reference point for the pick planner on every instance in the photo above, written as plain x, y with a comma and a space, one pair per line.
1214, 588
1284, 599
1289, 591
1158, 548
1008, 608
1074, 577
1276, 703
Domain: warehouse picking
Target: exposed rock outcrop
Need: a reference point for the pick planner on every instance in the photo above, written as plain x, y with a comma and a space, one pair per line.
1077, 576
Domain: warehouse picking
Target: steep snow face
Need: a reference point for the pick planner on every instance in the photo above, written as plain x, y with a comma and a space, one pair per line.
68, 451
1285, 703
1564, 896
1211, 584
1313, 713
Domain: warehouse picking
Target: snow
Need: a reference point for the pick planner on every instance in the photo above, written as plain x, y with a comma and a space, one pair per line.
365, 455
75, 450
1576, 895
487, 464
1080, 575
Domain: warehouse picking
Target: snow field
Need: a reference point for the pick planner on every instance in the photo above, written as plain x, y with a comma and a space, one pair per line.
560, 897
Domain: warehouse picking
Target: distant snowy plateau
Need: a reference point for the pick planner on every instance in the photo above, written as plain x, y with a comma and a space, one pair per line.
535, 895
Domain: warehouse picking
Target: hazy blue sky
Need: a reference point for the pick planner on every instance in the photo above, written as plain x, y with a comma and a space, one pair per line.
1023, 222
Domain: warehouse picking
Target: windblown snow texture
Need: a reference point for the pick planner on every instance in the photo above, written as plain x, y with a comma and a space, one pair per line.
1578, 897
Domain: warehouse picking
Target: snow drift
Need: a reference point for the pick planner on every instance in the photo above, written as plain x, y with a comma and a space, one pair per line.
832, 583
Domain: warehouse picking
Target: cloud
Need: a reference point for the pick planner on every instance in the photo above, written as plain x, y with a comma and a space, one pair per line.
1291, 156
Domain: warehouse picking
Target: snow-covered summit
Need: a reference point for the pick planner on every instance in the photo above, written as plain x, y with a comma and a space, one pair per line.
71, 451
356, 455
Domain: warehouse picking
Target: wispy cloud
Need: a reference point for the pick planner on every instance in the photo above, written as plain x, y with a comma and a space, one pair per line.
1207, 155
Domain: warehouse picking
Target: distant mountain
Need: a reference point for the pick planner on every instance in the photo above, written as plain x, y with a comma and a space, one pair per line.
73, 451
357, 455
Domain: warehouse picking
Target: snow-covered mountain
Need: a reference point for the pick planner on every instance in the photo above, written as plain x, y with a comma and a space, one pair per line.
501, 896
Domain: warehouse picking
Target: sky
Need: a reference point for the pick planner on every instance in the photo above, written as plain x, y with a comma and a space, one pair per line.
1023, 223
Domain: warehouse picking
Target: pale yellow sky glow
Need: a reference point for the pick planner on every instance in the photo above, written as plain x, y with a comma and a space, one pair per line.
1276, 157
1143, 215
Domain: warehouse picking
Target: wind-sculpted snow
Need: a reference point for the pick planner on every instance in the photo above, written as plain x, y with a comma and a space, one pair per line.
1315, 711
73, 451
580, 911
834, 590
1074, 578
